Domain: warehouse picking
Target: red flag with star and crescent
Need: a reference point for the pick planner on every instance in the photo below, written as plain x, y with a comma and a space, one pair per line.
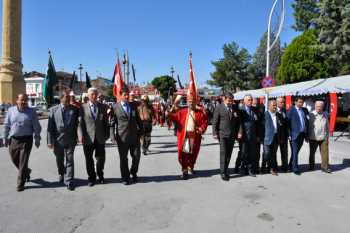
118, 81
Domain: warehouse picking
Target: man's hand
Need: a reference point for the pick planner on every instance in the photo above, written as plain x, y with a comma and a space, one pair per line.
215, 137
50, 146
239, 136
37, 143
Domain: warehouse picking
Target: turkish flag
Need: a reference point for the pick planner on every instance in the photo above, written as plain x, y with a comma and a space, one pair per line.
288, 102
118, 81
192, 88
333, 113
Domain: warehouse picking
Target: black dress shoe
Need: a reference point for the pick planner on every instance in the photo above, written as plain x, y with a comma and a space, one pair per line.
135, 178
225, 177
298, 173
20, 188
70, 187
251, 173
185, 175
326, 170
28, 174
60, 179
91, 183
126, 182
101, 180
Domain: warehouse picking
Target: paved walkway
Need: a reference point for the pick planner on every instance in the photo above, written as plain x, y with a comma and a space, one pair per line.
161, 202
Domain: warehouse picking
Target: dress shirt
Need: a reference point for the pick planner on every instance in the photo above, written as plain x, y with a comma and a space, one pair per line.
274, 120
126, 107
301, 118
93, 109
21, 123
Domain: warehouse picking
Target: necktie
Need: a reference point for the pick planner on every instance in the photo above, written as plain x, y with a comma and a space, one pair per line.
64, 116
93, 111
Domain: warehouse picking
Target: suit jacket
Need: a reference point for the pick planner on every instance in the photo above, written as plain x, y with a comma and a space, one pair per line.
125, 128
91, 129
225, 123
283, 133
251, 129
270, 131
59, 133
295, 124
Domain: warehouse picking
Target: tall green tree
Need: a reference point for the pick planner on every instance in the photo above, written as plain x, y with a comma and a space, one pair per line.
231, 72
257, 70
165, 85
302, 60
305, 13
334, 34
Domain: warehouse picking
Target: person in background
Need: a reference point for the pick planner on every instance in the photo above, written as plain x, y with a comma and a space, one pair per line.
145, 111
62, 137
319, 136
283, 133
260, 107
298, 120
20, 124
73, 101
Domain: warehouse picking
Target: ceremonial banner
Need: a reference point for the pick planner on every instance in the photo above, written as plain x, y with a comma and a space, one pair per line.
333, 111
192, 88
118, 81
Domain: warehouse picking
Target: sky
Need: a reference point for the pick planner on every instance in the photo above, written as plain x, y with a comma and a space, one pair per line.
157, 34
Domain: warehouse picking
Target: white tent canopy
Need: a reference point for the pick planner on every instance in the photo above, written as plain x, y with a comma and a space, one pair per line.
339, 84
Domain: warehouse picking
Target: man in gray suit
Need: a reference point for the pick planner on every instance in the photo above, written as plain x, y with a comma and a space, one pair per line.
62, 138
126, 129
93, 133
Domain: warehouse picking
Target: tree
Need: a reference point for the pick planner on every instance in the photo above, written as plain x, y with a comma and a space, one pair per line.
302, 60
257, 70
231, 71
165, 85
305, 13
334, 34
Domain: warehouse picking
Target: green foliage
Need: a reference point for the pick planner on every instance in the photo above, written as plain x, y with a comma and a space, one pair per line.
231, 72
257, 70
305, 13
165, 85
333, 27
302, 60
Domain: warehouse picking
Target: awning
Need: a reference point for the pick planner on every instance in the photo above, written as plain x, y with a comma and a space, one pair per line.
340, 84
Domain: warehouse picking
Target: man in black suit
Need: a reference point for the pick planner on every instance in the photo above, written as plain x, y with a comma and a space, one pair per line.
93, 133
126, 129
226, 123
283, 133
251, 135
62, 138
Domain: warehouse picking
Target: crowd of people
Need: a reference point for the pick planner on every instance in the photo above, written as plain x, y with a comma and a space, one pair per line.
128, 123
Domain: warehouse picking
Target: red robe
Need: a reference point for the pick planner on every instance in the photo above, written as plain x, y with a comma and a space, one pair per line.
201, 122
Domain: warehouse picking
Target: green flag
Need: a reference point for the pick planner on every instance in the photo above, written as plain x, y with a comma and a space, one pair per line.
87, 81
49, 81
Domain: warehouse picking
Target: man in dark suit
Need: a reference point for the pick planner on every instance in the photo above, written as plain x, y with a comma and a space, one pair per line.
272, 127
283, 133
93, 133
226, 123
299, 125
126, 129
62, 138
251, 135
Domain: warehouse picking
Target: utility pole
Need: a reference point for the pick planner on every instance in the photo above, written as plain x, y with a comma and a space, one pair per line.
80, 68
